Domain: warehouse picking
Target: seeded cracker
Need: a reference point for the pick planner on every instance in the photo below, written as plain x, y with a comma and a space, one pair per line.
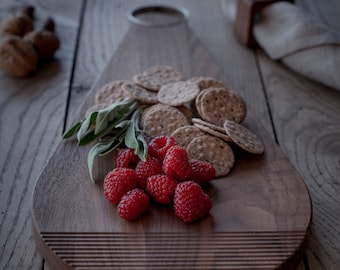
140, 93
206, 82
177, 93
149, 82
162, 119
213, 150
220, 104
111, 92
164, 71
187, 111
213, 132
198, 102
243, 137
154, 77
184, 135
207, 124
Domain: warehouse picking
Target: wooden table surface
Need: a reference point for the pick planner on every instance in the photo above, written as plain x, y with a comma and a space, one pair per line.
303, 116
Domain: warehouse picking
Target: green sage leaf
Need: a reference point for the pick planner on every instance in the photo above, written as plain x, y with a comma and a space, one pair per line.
98, 149
130, 138
72, 130
143, 147
85, 126
91, 136
116, 111
112, 126
123, 124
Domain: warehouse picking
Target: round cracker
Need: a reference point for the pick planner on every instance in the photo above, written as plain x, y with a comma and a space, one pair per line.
243, 137
140, 93
207, 124
156, 76
220, 104
149, 110
185, 134
111, 92
178, 93
213, 132
149, 82
206, 82
164, 71
213, 150
162, 120
198, 102
187, 111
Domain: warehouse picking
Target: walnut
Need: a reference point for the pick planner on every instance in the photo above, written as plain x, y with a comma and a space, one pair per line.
28, 11
17, 25
17, 57
49, 24
44, 42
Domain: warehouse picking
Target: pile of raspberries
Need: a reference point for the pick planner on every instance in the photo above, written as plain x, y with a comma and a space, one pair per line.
167, 177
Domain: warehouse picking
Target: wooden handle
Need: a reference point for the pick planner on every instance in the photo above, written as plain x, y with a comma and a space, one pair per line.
247, 13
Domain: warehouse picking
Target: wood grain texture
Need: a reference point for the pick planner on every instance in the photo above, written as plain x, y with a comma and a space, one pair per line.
306, 119
273, 206
308, 127
219, 251
104, 25
31, 121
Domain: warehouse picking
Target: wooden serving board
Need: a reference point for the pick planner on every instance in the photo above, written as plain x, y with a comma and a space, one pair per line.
261, 211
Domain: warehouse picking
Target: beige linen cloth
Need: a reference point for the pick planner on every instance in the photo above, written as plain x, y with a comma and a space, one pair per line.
287, 33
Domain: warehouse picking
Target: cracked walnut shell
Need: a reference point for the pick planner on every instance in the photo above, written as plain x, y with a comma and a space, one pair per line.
44, 42
17, 57
16, 25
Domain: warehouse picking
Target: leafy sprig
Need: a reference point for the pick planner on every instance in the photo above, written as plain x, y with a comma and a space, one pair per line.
111, 127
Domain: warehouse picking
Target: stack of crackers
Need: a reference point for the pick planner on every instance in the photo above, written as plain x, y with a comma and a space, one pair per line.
201, 113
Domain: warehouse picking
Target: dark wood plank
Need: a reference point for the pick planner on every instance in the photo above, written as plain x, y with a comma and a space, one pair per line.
105, 24
31, 121
306, 119
307, 122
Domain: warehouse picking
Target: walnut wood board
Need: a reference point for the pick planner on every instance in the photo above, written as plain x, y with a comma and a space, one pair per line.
261, 211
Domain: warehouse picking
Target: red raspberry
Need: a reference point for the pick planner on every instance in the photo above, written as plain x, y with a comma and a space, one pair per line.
176, 163
133, 204
126, 158
202, 171
190, 201
144, 169
160, 145
117, 182
161, 188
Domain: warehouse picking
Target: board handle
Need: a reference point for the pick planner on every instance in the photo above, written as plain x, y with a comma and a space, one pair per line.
158, 15
248, 11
